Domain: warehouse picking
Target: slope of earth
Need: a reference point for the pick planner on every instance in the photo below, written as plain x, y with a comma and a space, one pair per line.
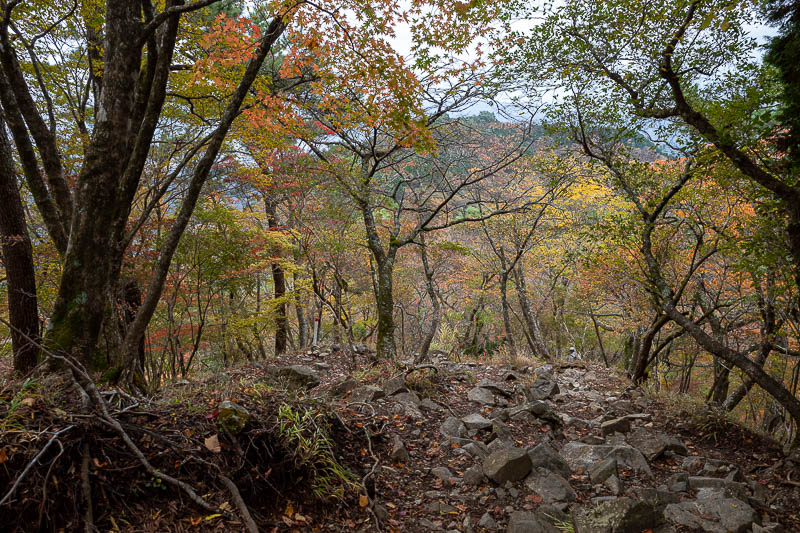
324, 441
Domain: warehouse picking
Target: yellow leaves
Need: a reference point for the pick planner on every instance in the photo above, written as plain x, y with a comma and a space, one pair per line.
363, 500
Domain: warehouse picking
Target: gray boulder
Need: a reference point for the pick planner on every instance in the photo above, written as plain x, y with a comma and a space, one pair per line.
615, 425
717, 515
442, 473
617, 515
473, 476
543, 388
543, 456
395, 385
399, 450
477, 449
582, 456
509, 464
453, 427
299, 376
523, 522
366, 394
550, 486
599, 472
494, 387
481, 396
477, 421
653, 445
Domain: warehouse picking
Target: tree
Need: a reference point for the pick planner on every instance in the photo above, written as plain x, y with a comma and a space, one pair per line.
682, 73
18, 261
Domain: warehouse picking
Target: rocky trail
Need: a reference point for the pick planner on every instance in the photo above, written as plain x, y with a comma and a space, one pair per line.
572, 447
325, 441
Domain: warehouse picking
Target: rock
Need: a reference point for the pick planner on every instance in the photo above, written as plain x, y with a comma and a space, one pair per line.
658, 498
430, 405
768, 528
720, 487
409, 397
543, 456
477, 421
617, 515
509, 464
582, 456
693, 464
599, 472
424, 522
480, 396
343, 387
477, 449
550, 486
395, 385
399, 450
487, 521
543, 411
232, 416
366, 394
453, 427
522, 522
653, 445
592, 439
543, 388
614, 484
544, 371
616, 425
678, 482
499, 444
299, 376
440, 472
473, 476
494, 387
718, 515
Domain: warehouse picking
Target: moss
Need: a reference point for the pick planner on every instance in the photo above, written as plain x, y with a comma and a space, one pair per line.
111, 375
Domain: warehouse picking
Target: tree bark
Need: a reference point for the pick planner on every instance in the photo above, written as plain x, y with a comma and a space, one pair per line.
434, 297
642, 355
512, 348
279, 286
23, 309
531, 323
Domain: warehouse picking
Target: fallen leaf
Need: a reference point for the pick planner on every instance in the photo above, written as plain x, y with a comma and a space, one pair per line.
212, 443
3, 456
363, 500
29, 401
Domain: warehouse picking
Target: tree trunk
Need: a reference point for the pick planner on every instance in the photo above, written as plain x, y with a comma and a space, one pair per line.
301, 317
437, 307
530, 321
85, 280
642, 355
23, 309
506, 316
384, 300
279, 284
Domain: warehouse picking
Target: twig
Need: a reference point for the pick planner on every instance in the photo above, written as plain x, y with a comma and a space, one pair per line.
87, 491
237, 499
368, 476
32, 463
